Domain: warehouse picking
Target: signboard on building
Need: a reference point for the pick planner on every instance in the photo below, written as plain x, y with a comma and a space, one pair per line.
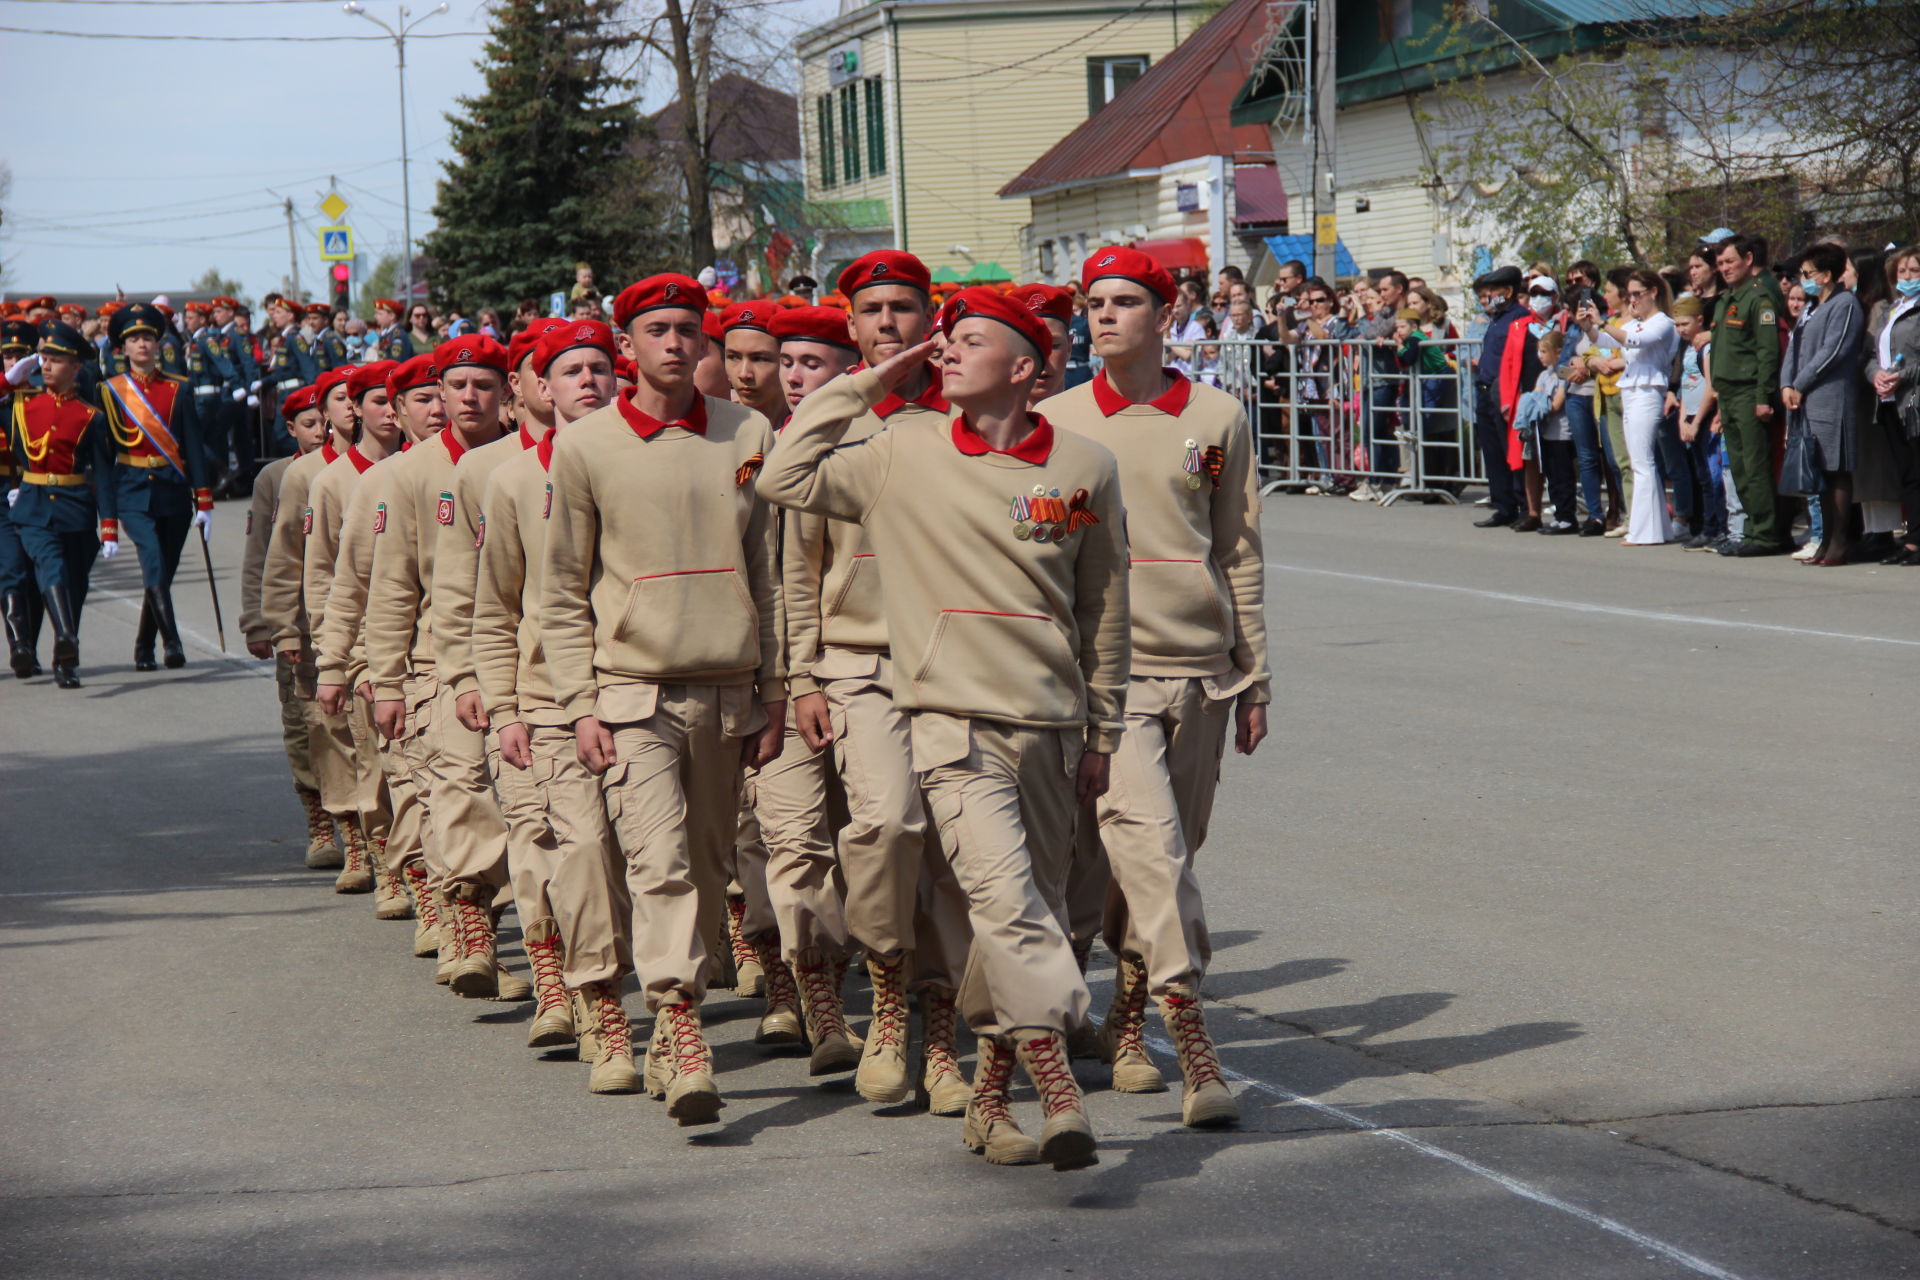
843, 64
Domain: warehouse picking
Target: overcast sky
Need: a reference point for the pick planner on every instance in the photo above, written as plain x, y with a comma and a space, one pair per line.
144, 162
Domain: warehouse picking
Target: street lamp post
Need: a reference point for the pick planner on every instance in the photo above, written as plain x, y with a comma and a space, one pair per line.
399, 35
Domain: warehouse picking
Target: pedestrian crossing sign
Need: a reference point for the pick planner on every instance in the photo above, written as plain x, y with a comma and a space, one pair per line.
336, 244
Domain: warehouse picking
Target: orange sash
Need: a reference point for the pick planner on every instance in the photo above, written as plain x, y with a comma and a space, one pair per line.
139, 410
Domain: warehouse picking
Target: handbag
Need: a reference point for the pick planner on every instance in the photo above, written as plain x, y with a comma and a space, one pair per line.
1800, 472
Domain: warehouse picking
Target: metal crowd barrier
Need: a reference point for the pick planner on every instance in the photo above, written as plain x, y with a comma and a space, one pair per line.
1335, 413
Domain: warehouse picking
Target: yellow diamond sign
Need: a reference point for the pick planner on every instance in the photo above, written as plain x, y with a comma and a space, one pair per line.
334, 207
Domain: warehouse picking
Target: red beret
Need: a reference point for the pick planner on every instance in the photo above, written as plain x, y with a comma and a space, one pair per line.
669, 290
474, 348
982, 301
418, 371
885, 266
1045, 300
711, 326
1128, 264
365, 377
624, 367
521, 344
748, 315
73, 309
198, 308
312, 309
332, 378
388, 303
597, 334
300, 400
229, 303
814, 324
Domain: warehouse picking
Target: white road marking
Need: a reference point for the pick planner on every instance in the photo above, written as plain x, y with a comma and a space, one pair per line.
243, 660
1583, 606
1527, 1191
277, 882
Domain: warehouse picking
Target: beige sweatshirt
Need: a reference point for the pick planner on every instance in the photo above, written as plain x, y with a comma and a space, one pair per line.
659, 563
253, 554
457, 562
1198, 579
508, 660
342, 639
281, 606
830, 579
400, 586
1004, 600
328, 497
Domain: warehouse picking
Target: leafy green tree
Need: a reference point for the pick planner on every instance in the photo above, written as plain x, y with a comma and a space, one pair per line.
545, 172
211, 281
381, 282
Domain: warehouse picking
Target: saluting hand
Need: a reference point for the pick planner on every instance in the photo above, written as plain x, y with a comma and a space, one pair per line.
897, 369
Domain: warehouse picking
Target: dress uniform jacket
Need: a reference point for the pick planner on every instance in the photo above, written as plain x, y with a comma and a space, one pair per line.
160, 472
67, 496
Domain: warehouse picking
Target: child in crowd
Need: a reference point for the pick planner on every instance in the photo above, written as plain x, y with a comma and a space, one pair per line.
1556, 439
1692, 398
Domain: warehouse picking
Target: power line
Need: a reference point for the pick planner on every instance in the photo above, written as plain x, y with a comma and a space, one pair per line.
125, 35
168, 4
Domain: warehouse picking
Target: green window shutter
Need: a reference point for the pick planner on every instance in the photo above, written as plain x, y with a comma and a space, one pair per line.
1096, 84
850, 130
876, 128
827, 177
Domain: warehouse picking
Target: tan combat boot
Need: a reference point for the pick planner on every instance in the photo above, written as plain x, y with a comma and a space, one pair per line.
426, 909
883, 1075
447, 952
613, 1070
1067, 1140
680, 1066
587, 1033
508, 986
942, 1086
356, 872
1125, 1031
323, 849
1084, 1040
390, 900
552, 1015
1207, 1102
475, 969
990, 1128
749, 976
821, 1005
780, 1024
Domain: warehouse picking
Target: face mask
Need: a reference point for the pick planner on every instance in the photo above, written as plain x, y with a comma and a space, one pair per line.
1907, 288
1493, 303
1542, 306
1811, 286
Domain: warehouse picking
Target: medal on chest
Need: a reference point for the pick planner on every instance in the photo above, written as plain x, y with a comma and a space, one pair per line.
1192, 464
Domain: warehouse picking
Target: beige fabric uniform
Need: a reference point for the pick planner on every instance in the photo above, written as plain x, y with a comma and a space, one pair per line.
283, 609
1199, 645
658, 615
1013, 655
402, 660
560, 851
296, 713
837, 646
342, 657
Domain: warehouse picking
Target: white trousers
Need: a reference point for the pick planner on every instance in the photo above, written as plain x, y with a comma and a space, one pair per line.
1640, 409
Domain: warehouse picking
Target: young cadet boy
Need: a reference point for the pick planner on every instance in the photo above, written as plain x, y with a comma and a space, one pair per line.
411, 702
298, 716
560, 850
844, 686
1198, 588
413, 390
283, 607
659, 617
377, 437
1003, 549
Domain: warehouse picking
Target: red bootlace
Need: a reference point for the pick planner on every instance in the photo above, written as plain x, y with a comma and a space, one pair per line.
889, 1026
992, 1092
319, 822
1189, 1027
471, 927
356, 848
544, 956
1130, 1012
941, 1018
689, 1045
616, 1033
824, 1012
1047, 1063
743, 951
423, 904
781, 989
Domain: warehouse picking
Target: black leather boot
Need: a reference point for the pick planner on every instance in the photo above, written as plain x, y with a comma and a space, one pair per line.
20, 637
143, 637
66, 639
162, 605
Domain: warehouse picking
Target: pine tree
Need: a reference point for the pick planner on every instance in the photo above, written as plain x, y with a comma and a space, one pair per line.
545, 172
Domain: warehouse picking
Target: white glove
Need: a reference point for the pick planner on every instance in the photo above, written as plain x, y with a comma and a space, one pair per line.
203, 521
255, 385
18, 375
239, 394
13, 496
108, 550
253, 402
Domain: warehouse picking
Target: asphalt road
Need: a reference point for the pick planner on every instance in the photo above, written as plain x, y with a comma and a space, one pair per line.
1565, 928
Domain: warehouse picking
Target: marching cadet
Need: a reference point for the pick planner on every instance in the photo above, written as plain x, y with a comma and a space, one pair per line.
20, 603
560, 849
314, 346
160, 473
411, 702
285, 369
298, 721
227, 359
843, 683
413, 389
377, 436
65, 510
1198, 591
284, 609
659, 617
389, 340
1001, 543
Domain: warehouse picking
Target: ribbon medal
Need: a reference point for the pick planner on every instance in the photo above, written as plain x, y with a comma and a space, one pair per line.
443, 512
1194, 464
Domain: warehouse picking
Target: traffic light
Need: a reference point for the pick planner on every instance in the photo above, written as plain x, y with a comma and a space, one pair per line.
342, 280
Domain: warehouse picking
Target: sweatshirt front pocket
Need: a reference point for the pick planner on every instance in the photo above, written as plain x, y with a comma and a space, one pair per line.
859, 595
1014, 666
1178, 609
690, 621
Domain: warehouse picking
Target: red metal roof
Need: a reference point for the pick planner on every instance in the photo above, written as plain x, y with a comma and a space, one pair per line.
1177, 111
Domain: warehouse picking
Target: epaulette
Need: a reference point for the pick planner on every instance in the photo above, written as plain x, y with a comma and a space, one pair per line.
170, 376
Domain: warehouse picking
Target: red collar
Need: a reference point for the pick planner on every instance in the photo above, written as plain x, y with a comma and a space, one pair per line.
1171, 401
527, 439
1036, 447
647, 427
451, 439
928, 399
359, 460
544, 450
327, 450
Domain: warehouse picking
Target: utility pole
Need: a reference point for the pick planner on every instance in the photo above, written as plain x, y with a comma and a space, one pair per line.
399, 35
1320, 57
293, 251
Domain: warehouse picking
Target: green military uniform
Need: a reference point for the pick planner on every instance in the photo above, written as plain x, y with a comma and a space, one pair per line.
1746, 375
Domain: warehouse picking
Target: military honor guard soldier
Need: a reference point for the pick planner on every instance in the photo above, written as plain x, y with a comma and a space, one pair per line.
20, 603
